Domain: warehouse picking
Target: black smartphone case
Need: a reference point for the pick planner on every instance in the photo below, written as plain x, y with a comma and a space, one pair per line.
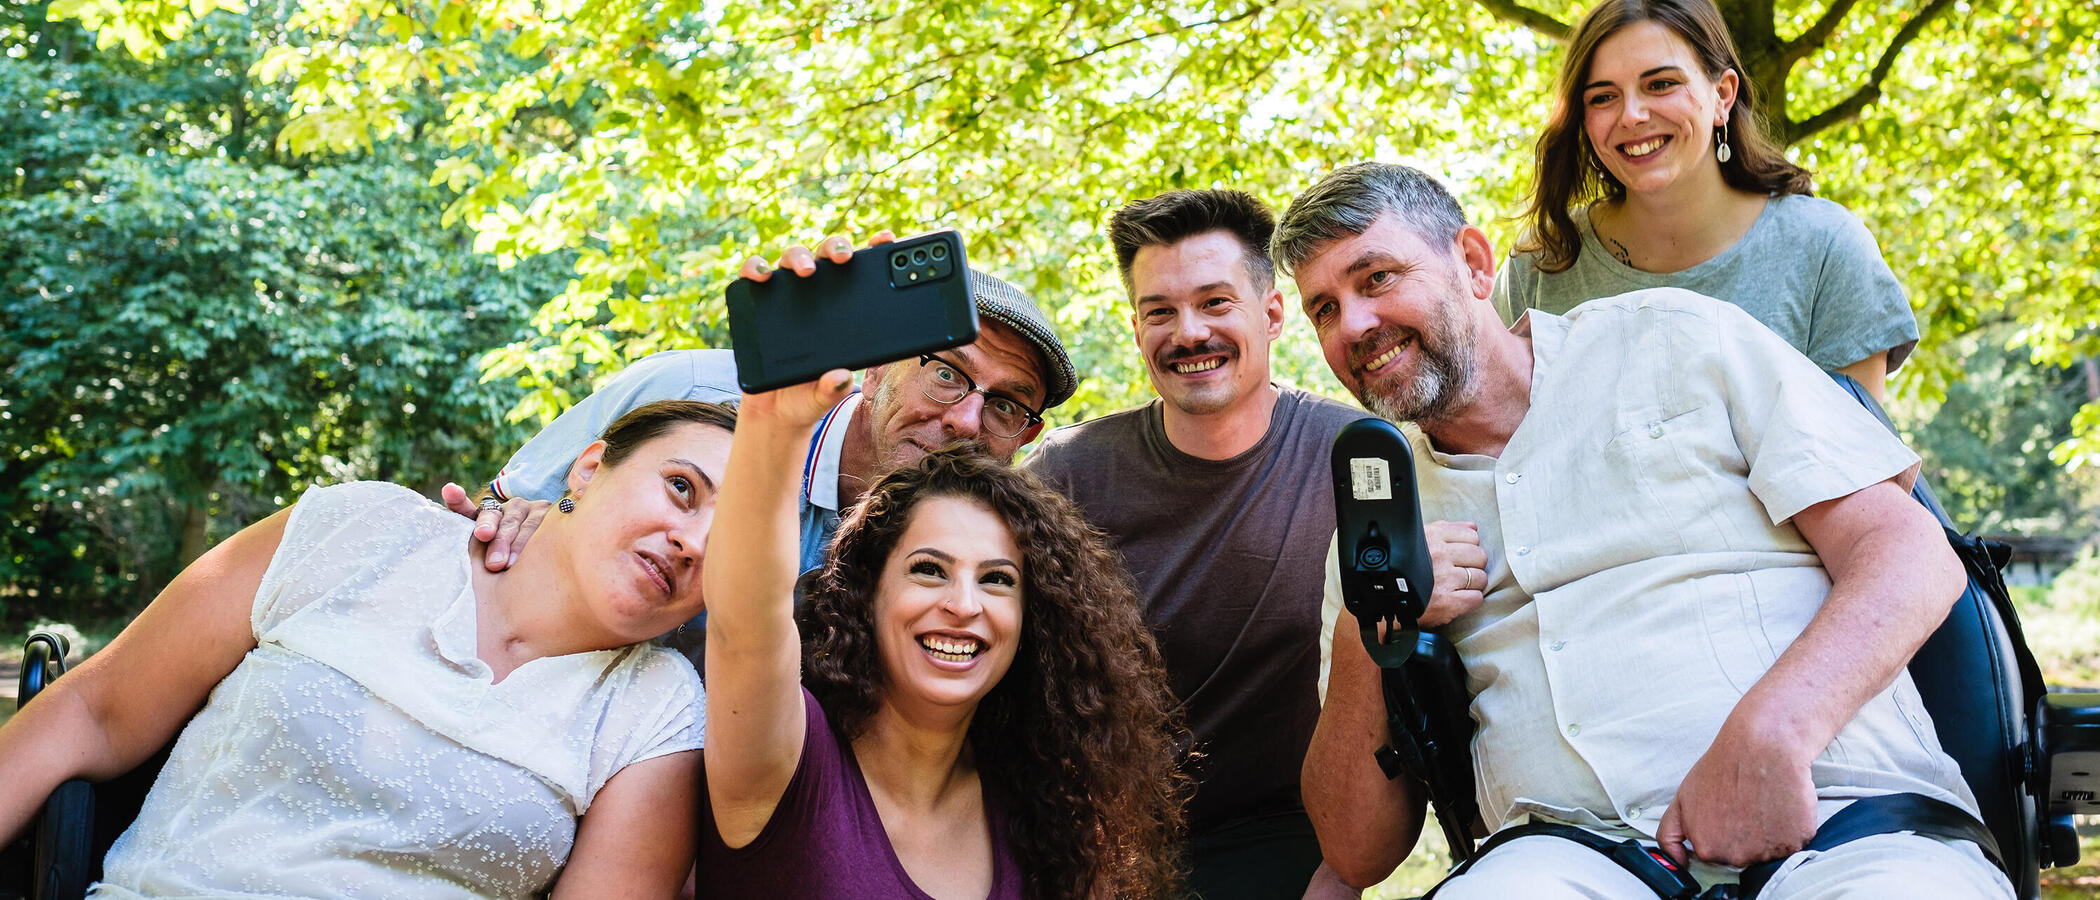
887, 303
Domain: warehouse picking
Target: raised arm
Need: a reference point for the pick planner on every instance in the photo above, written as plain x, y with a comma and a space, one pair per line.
755, 716
125, 702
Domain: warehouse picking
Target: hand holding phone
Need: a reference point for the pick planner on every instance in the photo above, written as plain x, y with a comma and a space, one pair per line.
893, 300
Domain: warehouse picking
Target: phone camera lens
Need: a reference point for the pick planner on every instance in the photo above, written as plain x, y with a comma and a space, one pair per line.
919, 256
940, 251
899, 261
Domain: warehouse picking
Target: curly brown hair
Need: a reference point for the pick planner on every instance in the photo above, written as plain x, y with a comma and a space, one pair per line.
1078, 740
1566, 172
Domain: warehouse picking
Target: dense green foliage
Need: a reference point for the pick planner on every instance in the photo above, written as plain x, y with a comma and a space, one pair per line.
245, 233
196, 326
661, 141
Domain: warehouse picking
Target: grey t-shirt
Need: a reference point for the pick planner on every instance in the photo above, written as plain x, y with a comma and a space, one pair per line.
1807, 268
1229, 557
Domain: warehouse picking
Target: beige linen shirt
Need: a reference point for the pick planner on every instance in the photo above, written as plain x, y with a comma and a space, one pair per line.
1643, 571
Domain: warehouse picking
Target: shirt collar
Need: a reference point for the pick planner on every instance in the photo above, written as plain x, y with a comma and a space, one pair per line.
821, 485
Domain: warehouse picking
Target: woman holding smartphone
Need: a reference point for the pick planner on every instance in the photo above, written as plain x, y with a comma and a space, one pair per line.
971, 708
1653, 171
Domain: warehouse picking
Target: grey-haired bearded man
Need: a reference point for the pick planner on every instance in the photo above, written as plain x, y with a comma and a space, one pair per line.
1681, 566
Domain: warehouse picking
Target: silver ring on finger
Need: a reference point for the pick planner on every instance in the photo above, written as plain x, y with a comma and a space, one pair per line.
491, 503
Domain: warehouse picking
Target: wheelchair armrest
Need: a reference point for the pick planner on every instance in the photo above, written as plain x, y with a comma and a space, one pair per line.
2067, 750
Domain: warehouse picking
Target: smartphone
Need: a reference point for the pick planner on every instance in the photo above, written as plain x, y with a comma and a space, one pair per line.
889, 302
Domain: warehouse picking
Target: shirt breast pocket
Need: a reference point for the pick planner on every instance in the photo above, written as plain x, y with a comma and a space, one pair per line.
1666, 455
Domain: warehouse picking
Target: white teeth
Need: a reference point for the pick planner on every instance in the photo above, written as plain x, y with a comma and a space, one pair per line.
1389, 355
1645, 147
951, 649
1193, 368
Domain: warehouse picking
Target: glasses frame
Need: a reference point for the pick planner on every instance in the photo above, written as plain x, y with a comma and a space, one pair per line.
1035, 416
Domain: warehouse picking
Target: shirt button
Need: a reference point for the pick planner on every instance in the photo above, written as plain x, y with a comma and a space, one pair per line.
1633, 812
1559, 644
1655, 429
1510, 478
1574, 730
1523, 551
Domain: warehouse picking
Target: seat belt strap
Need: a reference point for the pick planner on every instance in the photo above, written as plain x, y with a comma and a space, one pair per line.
1645, 863
1867, 817
1887, 814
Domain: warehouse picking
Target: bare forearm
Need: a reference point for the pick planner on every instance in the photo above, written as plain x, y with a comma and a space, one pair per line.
754, 548
1366, 823
1893, 581
51, 740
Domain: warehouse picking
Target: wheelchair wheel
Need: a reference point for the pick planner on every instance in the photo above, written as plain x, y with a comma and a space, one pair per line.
64, 838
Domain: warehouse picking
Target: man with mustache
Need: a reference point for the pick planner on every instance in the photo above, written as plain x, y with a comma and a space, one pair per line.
1696, 581
1216, 494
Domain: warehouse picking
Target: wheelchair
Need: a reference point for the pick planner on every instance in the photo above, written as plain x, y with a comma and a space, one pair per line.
2031, 758
60, 853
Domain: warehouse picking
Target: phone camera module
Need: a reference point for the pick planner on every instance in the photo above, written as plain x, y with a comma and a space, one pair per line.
899, 261
940, 251
919, 256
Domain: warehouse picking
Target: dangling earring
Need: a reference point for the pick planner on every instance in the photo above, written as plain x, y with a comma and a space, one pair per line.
565, 504
1721, 151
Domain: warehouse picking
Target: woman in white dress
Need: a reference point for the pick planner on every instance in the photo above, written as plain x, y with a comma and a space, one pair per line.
381, 716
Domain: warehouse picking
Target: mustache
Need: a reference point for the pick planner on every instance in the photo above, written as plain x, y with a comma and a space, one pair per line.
1209, 347
1378, 342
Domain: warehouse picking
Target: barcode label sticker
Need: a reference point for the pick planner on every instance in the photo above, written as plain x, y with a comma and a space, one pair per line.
1370, 479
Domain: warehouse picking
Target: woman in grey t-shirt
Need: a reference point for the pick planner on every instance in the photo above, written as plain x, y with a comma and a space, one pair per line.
1653, 171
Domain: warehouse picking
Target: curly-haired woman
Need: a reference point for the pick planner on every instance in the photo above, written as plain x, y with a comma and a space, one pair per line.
982, 715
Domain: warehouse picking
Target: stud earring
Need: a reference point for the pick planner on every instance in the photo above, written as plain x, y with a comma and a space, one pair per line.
1721, 151
565, 504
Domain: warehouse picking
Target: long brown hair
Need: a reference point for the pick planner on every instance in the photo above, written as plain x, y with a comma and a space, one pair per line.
1567, 171
1077, 740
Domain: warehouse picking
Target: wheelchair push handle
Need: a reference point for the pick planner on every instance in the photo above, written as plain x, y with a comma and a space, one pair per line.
43, 660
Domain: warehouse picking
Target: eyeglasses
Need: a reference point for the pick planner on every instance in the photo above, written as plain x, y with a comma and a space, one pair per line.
1002, 415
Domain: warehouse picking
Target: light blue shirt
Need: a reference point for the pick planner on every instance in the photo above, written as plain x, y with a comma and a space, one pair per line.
540, 469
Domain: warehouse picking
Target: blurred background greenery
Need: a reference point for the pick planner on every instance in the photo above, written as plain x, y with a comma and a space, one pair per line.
251, 247
254, 247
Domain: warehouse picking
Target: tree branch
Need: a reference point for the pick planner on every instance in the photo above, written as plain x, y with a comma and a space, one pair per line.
1871, 91
1817, 35
1512, 11
1191, 26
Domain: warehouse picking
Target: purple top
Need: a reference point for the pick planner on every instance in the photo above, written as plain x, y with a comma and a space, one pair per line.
825, 840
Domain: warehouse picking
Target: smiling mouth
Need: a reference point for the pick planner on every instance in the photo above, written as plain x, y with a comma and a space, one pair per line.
1644, 148
1386, 358
658, 573
1197, 368
951, 649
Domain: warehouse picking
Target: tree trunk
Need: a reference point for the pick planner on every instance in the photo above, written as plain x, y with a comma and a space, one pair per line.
195, 537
